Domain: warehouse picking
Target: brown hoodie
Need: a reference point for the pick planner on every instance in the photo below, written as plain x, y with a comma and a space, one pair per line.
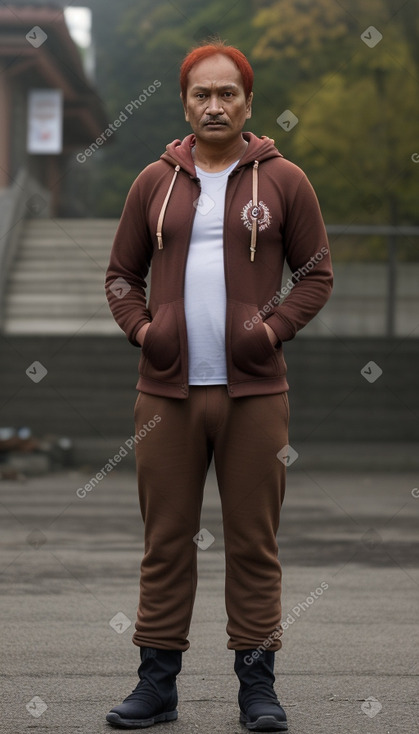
271, 213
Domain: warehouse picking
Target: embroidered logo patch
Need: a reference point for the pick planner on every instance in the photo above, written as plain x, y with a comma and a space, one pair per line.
261, 213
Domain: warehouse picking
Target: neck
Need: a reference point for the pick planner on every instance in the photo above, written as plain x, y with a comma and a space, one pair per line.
215, 158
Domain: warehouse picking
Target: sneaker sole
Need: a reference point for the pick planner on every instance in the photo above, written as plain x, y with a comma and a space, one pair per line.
116, 720
264, 723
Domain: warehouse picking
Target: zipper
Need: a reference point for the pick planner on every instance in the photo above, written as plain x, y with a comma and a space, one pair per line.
185, 385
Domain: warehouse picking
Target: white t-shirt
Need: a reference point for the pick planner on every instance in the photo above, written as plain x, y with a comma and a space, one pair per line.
205, 291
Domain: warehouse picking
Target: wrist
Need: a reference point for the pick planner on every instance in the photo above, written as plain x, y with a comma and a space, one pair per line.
141, 334
271, 334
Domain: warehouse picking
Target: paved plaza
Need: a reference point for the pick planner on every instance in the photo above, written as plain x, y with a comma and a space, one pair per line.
69, 585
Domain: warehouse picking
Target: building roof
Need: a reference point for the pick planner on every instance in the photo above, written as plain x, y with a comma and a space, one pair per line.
51, 62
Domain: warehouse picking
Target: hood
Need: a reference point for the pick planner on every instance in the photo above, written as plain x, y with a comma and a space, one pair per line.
179, 155
179, 152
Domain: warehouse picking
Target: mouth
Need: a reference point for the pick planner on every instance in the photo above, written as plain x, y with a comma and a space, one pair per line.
214, 123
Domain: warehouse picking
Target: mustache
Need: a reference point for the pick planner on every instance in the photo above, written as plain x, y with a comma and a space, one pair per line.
215, 119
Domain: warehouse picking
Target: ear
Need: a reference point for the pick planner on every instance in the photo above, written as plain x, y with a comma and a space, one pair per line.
249, 106
184, 107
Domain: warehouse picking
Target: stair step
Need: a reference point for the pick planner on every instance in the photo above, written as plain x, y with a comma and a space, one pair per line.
56, 284
61, 326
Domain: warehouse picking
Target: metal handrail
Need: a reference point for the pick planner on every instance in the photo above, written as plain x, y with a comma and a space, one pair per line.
12, 215
16, 204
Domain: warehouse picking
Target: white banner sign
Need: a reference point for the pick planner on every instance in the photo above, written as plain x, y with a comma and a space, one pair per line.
45, 121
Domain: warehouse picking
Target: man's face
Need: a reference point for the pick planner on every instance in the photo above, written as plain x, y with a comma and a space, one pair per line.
216, 106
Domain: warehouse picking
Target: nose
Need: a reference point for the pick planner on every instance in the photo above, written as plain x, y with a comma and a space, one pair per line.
214, 106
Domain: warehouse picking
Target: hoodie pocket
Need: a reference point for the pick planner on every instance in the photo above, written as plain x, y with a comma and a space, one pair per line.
251, 348
161, 345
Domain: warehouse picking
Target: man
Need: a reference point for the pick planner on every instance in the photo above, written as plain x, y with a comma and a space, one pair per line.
216, 216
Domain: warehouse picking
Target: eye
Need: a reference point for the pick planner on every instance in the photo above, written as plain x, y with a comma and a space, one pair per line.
200, 95
228, 94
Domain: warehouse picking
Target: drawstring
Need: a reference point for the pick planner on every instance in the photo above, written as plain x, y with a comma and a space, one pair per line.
255, 210
163, 210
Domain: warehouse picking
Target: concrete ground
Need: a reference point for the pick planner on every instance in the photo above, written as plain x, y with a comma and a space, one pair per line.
69, 586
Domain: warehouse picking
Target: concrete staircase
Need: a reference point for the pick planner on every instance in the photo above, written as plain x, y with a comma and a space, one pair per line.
56, 284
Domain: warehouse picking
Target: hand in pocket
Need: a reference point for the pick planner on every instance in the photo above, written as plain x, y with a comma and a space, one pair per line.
141, 333
271, 334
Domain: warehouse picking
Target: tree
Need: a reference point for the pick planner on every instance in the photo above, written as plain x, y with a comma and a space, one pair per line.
356, 103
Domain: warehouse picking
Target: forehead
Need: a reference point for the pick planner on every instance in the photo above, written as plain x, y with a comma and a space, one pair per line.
215, 70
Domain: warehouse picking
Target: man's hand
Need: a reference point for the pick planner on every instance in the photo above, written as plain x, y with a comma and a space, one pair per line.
271, 334
141, 334
265, 137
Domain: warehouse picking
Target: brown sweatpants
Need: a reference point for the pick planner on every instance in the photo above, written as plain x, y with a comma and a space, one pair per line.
176, 441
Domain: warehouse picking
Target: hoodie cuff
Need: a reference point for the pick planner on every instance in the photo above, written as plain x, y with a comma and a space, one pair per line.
282, 328
134, 331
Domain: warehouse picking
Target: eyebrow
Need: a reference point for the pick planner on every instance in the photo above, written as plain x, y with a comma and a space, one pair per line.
203, 88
